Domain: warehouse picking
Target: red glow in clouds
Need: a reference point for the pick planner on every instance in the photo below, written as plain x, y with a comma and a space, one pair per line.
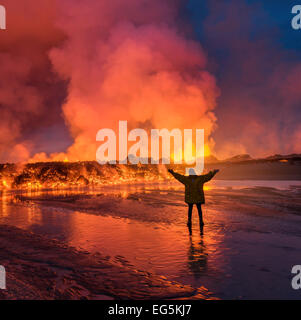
80, 66
122, 60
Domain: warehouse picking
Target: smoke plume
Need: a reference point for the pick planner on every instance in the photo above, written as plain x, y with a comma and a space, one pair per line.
129, 60
30, 93
260, 79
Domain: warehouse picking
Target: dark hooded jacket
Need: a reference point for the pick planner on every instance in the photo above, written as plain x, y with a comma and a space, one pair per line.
194, 192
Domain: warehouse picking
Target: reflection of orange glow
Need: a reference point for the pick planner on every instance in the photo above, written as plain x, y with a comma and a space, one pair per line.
124, 194
4, 204
159, 248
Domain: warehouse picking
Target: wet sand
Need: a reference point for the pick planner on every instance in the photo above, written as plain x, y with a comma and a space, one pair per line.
40, 268
143, 227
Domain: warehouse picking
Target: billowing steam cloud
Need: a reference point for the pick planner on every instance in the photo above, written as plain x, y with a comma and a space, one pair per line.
260, 80
129, 60
30, 94
86, 64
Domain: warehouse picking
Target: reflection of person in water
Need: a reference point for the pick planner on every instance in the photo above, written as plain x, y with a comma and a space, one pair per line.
197, 258
194, 192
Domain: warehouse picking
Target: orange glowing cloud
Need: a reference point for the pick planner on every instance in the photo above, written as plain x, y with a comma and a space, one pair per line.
130, 61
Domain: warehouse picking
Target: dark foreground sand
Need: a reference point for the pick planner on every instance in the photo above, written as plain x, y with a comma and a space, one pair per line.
40, 268
144, 228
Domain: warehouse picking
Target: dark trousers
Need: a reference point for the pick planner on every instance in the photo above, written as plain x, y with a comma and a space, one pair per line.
199, 206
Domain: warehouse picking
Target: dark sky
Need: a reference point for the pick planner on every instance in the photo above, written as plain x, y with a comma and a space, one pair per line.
255, 55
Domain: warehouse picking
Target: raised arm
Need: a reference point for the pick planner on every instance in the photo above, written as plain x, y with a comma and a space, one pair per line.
178, 176
207, 177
